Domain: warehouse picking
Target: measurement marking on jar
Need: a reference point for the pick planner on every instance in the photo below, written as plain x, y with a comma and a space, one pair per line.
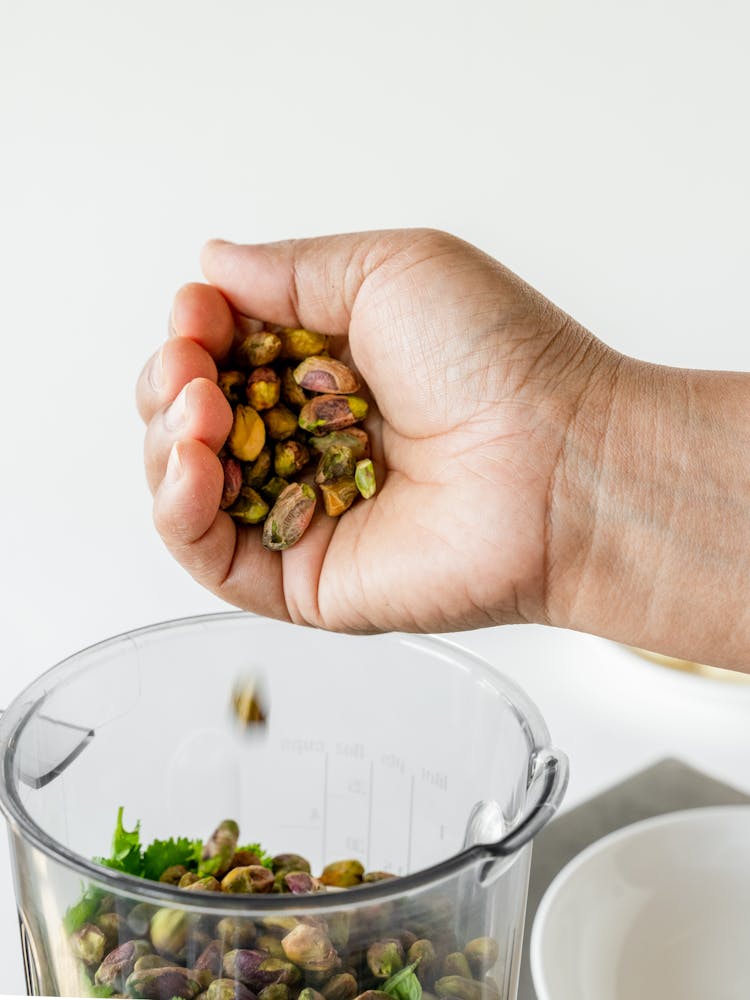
369, 815
411, 824
325, 804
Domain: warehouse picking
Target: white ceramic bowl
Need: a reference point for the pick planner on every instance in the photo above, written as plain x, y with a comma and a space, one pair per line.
659, 910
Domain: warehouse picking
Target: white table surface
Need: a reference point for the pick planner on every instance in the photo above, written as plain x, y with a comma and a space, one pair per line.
601, 150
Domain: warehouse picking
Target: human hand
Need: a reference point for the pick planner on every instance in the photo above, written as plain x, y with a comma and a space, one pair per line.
476, 379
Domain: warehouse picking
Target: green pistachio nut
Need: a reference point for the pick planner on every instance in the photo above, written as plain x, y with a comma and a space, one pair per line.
342, 986
376, 876
310, 994
338, 496
119, 963
273, 489
249, 507
364, 478
343, 874
338, 460
248, 434
163, 984
168, 930
289, 517
235, 932
228, 989
276, 970
275, 991
257, 348
280, 422
115, 929
385, 958
280, 925
464, 989
232, 384
206, 884
187, 880
423, 953
322, 414
353, 438
152, 962
289, 458
299, 344
324, 374
251, 878
271, 944
139, 918
292, 394
338, 925
310, 947
173, 874
263, 388
482, 953
373, 995
89, 943
290, 862
456, 964
255, 473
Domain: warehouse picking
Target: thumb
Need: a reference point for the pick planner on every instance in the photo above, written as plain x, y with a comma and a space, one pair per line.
312, 283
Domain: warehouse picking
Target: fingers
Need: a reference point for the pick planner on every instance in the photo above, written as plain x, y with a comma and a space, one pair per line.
201, 328
199, 412
176, 363
311, 283
228, 561
201, 313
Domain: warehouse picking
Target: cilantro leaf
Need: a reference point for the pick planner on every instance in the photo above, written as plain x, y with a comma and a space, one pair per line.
126, 848
404, 985
80, 913
162, 854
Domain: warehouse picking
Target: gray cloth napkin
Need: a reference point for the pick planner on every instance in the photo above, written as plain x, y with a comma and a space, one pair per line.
665, 787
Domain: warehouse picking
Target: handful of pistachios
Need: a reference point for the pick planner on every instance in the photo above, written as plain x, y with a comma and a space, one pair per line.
391, 950
293, 405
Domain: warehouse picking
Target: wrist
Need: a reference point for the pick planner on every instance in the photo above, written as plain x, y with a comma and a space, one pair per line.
649, 520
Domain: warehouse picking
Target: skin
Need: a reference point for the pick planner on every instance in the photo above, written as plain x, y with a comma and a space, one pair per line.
529, 472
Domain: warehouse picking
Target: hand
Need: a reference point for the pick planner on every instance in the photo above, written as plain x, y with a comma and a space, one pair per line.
476, 379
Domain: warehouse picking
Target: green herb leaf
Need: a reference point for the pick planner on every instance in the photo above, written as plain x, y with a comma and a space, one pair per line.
82, 911
162, 854
404, 985
126, 848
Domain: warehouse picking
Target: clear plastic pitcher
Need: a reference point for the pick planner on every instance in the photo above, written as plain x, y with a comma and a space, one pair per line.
409, 755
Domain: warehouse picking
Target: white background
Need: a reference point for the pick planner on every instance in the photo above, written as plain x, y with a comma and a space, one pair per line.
600, 149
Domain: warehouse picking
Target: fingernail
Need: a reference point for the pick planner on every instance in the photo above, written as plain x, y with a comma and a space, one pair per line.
175, 416
156, 371
174, 466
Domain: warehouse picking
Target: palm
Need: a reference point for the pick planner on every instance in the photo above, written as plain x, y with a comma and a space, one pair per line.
454, 538
465, 433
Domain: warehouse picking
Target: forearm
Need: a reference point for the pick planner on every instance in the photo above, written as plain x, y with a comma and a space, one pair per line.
649, 539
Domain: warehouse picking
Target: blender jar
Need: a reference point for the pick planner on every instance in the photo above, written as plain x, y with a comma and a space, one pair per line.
408, 754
